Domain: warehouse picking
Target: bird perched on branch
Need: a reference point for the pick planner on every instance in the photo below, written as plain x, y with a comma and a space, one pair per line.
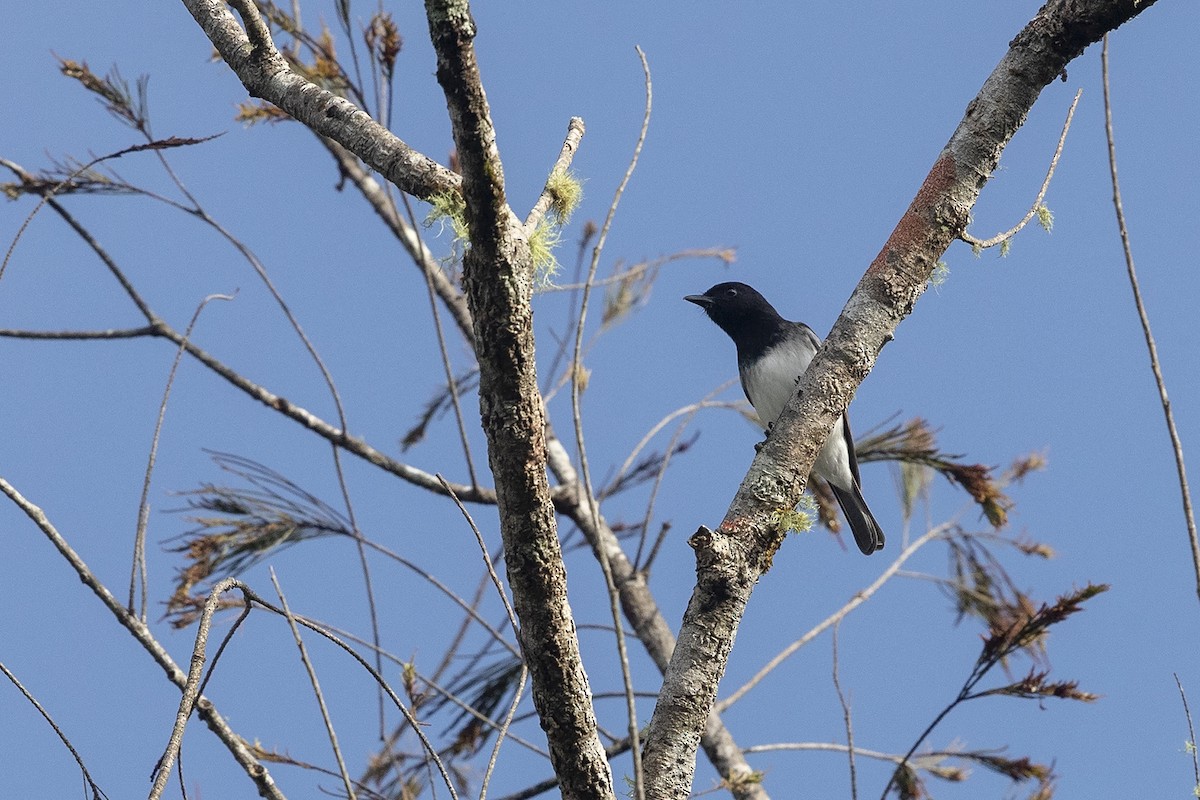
772, 354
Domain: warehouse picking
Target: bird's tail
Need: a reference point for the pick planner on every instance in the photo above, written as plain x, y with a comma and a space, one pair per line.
867, 533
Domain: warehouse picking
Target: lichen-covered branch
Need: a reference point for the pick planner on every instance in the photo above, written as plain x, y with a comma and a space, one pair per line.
498, 278
730, 559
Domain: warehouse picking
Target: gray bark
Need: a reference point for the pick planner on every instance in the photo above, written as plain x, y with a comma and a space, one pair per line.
498, 278
731, 558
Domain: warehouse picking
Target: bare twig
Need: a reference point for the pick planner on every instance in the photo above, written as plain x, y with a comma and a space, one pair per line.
833, 619
261, 271
216, 723
722, 254
1144, 319
259, 32
586, 483
282, 758
924, 761
324, 632
575, 132
158, 327
433, 579
487, 558
139, 544
451, 384
342, 8
380, 201
933, 762
225, 640
837, 685
191, 690
1000, 238
359, 544
49, 193
664, 422
112, 333
694, 409
431, 682
475, 713
1191, 743
316, 686
97, 792
512, 619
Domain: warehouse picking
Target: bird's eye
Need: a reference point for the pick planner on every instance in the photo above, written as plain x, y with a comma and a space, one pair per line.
731, 292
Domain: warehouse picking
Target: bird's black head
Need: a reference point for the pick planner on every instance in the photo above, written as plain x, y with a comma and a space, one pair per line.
737, 309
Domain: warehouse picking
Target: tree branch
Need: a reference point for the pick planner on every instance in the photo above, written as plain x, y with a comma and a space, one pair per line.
730, 559
265, 74
643, 613
383, 206
207, 711
1189, 516
498, 278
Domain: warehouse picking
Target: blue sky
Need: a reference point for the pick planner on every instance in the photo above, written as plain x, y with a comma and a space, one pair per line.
797, 138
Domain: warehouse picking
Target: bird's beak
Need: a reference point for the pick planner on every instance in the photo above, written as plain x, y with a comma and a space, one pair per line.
702, 300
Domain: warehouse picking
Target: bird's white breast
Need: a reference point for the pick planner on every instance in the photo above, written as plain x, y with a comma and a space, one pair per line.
770, 382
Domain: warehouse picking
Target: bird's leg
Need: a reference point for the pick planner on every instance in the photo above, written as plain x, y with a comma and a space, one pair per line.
758, 446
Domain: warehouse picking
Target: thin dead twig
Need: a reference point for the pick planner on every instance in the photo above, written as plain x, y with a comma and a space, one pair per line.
158, 327
375, 676
586, 482
191, 689
138, 570
1191, 745
512, 619
668, 451
1000, 238
575, 131
859, 598
97, 792
451, 384
316, 686
47, 195
1144, 319
235, 743
837, 685
111, 333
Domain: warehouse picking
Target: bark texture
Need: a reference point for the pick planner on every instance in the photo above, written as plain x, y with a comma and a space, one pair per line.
344, 129
641, 609
730, 559
252, 56
498, 278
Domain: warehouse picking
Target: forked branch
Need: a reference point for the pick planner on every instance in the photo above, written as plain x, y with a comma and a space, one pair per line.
731, 558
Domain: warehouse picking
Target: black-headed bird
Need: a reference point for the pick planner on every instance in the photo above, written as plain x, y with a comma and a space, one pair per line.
772, 354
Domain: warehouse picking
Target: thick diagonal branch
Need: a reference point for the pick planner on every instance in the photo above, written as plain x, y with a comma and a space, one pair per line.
731, 558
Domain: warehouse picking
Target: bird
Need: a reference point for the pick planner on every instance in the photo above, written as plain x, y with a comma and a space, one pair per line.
772, 354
